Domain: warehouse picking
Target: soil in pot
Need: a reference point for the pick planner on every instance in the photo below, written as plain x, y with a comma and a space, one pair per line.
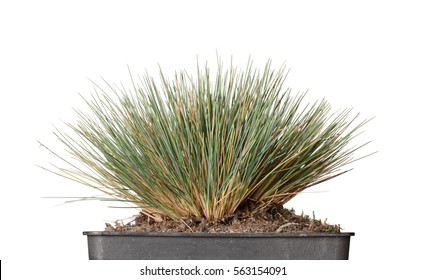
273, 218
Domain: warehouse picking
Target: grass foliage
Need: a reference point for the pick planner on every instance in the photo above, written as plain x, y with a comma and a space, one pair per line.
205, 145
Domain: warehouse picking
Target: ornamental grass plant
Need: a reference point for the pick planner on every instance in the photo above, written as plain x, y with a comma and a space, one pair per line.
206, 145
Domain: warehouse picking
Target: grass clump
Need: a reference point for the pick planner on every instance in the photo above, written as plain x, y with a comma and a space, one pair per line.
207, 145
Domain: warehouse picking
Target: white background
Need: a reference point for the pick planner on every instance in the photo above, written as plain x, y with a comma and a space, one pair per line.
363, 54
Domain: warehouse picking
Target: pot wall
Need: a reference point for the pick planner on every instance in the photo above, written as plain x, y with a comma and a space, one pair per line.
218, 246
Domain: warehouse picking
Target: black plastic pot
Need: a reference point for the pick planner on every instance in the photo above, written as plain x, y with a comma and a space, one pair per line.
217, 246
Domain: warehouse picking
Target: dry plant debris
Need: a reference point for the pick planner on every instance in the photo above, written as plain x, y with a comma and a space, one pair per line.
273, 218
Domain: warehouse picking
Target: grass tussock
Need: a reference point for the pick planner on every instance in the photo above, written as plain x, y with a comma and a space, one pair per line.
207, 145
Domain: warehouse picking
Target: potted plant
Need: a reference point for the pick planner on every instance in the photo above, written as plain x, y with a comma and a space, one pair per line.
204, 159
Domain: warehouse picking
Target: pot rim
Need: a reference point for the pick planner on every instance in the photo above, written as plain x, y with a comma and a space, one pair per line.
219, 234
